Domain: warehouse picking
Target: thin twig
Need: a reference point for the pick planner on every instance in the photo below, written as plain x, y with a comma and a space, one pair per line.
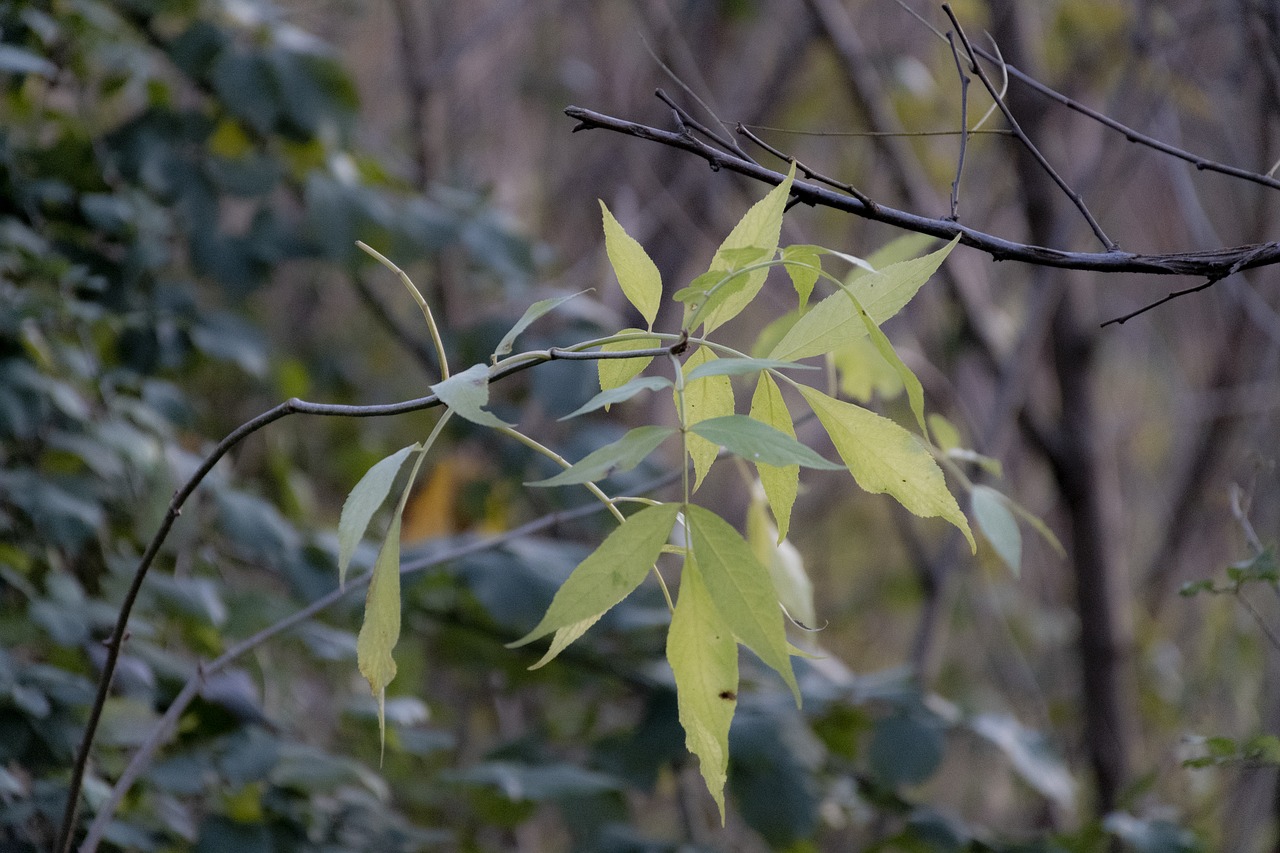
1121, 320
964, 126
685, 118
1211, 263
805, 170
1106, 241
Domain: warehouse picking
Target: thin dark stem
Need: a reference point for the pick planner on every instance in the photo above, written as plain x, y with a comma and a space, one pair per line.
1120, 321
1209, 264
685, 118
293, 406
1107, 242
805, 170
964, 126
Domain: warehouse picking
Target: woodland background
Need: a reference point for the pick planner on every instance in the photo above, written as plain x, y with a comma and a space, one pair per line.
181, 186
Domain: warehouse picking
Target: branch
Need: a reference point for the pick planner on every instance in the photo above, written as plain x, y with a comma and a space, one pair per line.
293, 406
1214, 263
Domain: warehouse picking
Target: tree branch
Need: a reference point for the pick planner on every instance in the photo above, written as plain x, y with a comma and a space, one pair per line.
1213, 263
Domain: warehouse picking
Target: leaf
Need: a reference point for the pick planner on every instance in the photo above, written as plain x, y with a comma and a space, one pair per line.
945, 435
381, 628
637, 273
621, 455
704, 658
759, 442
713, 289
614, 372
786, 567
915, 391
706, 398
620, 394
759, 228
1037, 524
803, 264
781, 484
863, 372
611, 571
905, 749
532, 313
563, 637
741, 589
835, 321
899, 249
998, 525
742, 366
885, 458
467, 393
364, 500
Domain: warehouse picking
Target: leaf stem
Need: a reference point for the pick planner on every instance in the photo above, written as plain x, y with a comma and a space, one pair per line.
417, 297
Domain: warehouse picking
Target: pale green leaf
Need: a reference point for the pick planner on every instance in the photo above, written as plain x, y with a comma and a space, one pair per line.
945, 435
742, 366
615, 372
885, 458
781, 484
835, 321
803, 264
786, 567
620, 394
704, 658
532, 313
773, 332
381, 628
1037, 524
611, 571
563, 637
915, 391
637, 273
741, 589
621, 455
706, 398
863, 372
899, 249
998, 525
759, 228
467, 393
760, 443
365, 499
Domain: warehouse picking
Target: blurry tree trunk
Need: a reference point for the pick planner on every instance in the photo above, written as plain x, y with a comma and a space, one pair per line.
1101, 594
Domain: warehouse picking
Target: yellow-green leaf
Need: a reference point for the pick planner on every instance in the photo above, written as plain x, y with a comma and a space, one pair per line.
781, 484
637, 273
835, 321
365, 499
615, 372
760, 229
563, 637
381, 628
741, 589
886, 459
863, 372
704, 657
803, 264
786, 567
610, 573
706, 398
915, 391
945, 435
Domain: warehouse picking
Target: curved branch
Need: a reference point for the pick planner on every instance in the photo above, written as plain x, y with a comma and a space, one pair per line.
1214, 264
292, 406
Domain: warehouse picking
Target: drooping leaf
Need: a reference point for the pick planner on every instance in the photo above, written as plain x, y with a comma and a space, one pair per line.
364, 500
803, 264
998, 525
758, 442
532, 313
563, 637
759, 228
786, 567
781, 484
611, 571
704, 657
381, 628
915, 391
741, 589
706, 398
467, 393
885, 458
742, 366
637, 273
614, 372
620, 394
621, 455
835, 321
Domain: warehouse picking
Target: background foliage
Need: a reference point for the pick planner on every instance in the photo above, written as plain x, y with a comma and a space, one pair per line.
181, 185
